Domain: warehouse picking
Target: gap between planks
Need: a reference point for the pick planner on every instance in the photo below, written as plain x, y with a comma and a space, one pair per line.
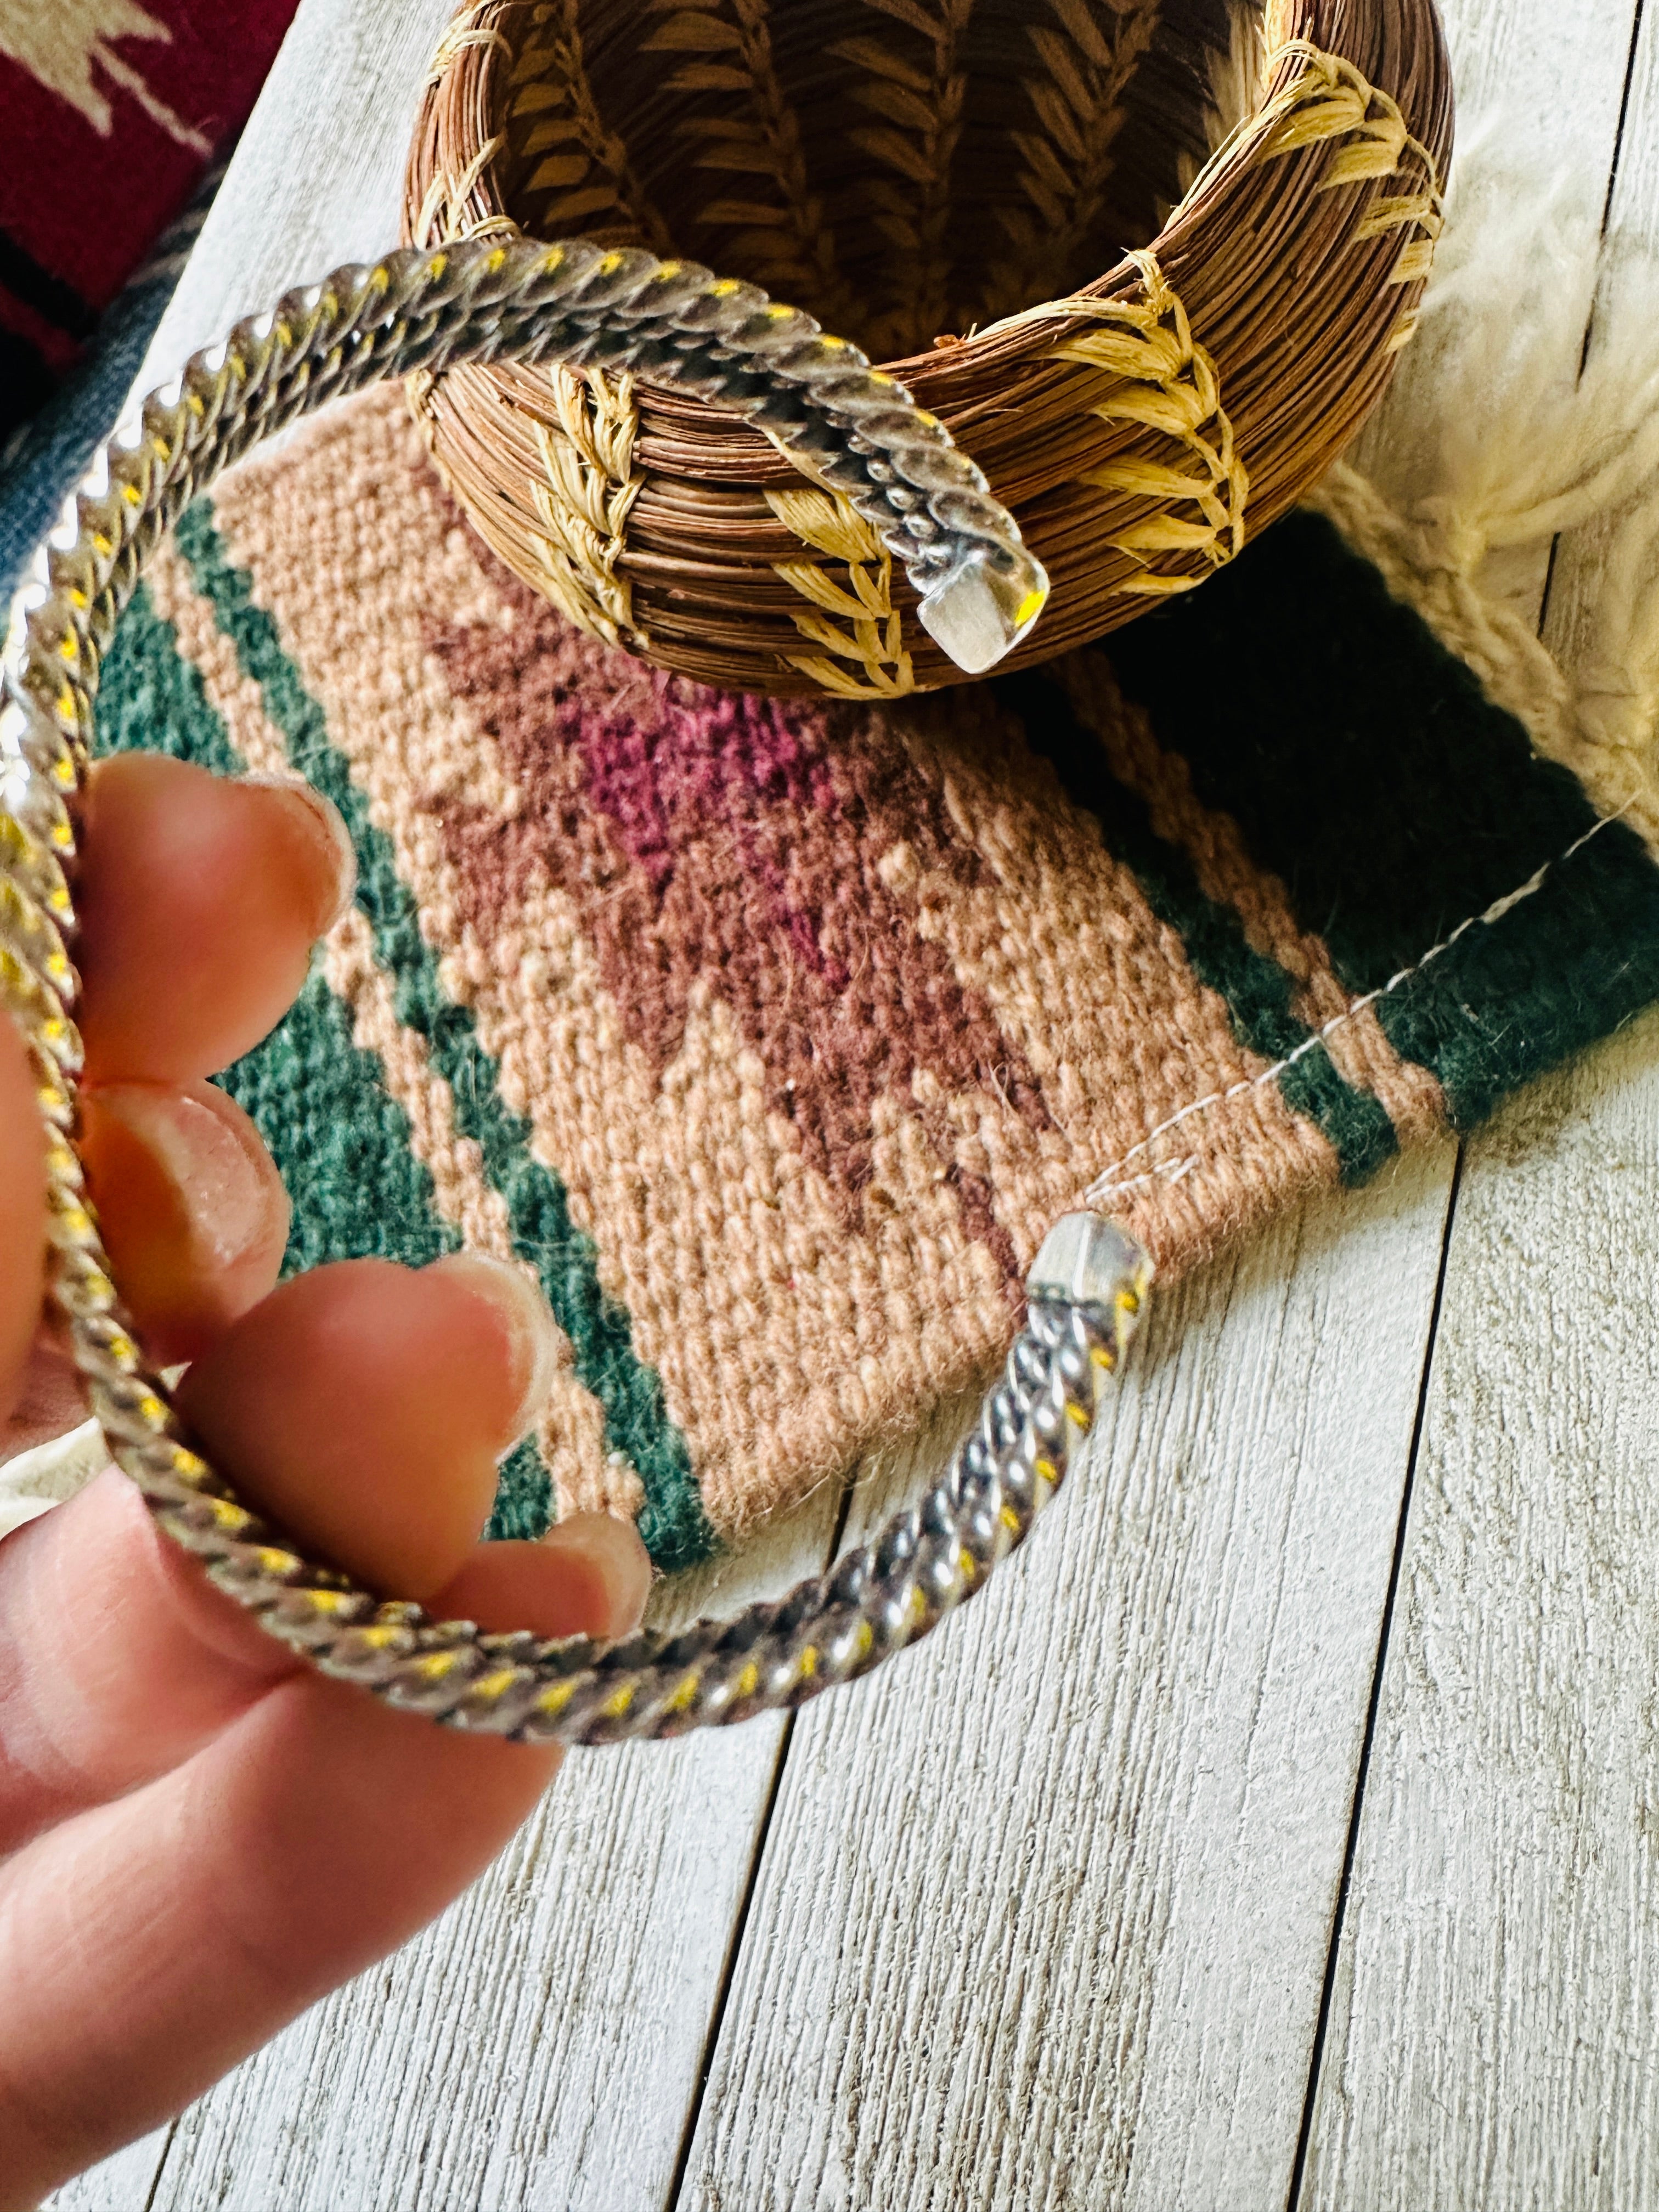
1333, 1959
1298, 2166
237, 2145
1493, 2018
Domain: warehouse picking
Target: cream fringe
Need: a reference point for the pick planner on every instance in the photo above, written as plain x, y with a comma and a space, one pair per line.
1490, 446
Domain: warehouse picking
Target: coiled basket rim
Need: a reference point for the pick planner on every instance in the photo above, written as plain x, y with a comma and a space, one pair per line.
1141, 427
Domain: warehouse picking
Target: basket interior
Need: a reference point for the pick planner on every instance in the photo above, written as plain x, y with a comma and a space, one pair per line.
907, 170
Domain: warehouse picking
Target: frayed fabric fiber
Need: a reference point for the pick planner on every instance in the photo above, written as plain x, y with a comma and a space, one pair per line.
773, 1035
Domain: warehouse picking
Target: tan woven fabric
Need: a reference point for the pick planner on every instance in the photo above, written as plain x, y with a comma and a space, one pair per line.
811, 1018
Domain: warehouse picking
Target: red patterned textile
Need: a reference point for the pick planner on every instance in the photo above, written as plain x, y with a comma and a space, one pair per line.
110, 112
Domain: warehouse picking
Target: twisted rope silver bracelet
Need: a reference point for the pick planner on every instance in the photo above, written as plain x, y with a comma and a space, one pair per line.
675, 325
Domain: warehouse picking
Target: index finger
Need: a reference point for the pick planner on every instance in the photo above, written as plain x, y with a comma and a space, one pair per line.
200, 897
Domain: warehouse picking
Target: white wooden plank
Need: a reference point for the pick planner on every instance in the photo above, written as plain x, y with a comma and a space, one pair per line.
1493, 2014
1105, 1991
317, 178
1042, 1909
1496, 2009
121, 2184
540, 2044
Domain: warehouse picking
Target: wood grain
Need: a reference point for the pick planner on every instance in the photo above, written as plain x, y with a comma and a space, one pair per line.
540, 2044
1043, 1907
1495, 2008
1041, 1915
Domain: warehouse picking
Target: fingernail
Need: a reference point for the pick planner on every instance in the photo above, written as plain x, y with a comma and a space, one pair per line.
539, 1347
326, 828
614, 1561
230, 1196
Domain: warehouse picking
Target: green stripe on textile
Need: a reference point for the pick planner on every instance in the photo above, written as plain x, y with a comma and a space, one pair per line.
342, 1144
152, 700
1365, 766
673, 1523
1257, 989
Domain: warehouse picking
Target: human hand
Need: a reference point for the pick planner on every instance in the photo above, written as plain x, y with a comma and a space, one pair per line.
198, 1835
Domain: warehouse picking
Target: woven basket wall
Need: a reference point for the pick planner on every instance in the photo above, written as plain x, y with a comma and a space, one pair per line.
943, 182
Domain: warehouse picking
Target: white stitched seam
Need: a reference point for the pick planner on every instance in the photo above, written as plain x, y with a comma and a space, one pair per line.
1106, 1183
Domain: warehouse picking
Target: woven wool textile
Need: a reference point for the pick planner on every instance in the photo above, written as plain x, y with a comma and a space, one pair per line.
772, 1035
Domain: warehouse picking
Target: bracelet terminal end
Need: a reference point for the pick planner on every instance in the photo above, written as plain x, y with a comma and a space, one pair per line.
982, 610
1086, 1260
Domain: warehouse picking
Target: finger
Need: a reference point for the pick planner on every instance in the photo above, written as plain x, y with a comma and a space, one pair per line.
365, 1406
193, 1212
587, 1567
200, 898
121, 1658
148, 1945
22, 1212
124, 1660
49, 1401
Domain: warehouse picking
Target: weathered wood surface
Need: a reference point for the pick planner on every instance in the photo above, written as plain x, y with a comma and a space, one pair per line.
1495, 2011
541, 2043
1041, 1917
1496, 2008
1044, 1907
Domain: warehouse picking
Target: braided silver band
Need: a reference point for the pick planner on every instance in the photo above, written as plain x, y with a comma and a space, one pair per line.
675, 325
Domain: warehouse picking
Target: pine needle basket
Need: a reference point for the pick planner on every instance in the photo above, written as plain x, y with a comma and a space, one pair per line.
941, 182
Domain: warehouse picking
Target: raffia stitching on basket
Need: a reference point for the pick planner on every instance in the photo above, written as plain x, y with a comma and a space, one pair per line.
584, 176
921, 111
1333, 100
463, 33
1067, 166
872, 637
592, 484
1167, 383
785, 242
441, 218
442, 213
